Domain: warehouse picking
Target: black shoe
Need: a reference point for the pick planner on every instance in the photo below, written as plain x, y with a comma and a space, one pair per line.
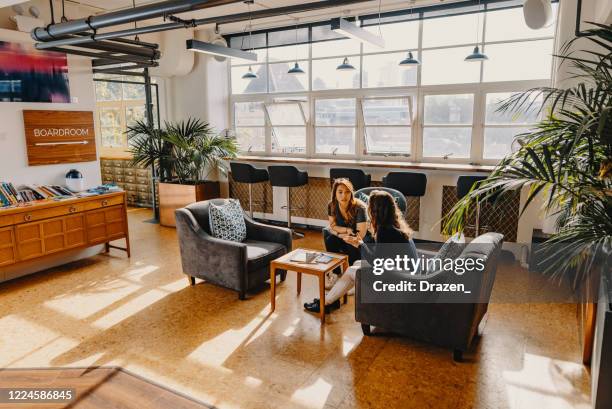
310, 304
316, 307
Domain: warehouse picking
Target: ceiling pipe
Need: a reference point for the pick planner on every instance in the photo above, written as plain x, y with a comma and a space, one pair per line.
121, 48
233, 18
101, 62
83, 53
149, 11
120, 72
123, 69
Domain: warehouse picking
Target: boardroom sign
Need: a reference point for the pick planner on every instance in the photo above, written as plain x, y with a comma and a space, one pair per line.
54, 137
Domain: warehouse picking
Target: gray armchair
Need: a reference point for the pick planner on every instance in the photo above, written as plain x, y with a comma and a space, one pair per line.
237, 266
447, 322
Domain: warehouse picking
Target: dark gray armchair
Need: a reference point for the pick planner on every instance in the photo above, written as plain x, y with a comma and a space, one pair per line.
237, 266
448, 322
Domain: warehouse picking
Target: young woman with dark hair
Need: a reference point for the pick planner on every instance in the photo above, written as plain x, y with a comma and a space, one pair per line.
347, 220
387, 226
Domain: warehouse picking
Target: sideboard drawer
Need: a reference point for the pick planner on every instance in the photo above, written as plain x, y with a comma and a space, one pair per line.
41, 214
100, 203
6, 221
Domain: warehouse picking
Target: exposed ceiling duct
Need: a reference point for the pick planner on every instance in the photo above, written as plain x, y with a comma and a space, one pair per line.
233, 18
140, 13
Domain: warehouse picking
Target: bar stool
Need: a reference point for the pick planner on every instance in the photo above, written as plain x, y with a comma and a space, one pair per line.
245, 173
288, 176
411, 184
359, 179
464, 185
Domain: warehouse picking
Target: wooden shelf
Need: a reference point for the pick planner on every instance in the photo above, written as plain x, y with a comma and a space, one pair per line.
447, 167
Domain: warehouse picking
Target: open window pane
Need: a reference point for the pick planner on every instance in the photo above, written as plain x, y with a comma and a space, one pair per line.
397, 36
249, 86
503, 25
340, 141
289, 139
454, 142
285, 114
447, 66
325, 75
383, 70
281, 81
340, 111
338, 48
453, 30
449, 109
388, 140
518, 61
387, 111
251, 139
527, 115
498, 142
249, 114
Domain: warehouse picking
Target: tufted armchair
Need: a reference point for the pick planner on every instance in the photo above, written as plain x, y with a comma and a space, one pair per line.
237, 266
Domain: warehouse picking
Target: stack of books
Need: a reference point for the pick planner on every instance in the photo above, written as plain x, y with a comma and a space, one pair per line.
9, 196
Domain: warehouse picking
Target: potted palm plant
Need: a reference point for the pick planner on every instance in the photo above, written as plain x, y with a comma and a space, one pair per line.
186, 153
567, 161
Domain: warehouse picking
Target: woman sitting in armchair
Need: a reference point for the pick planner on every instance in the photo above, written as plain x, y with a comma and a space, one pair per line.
387, 225
347, 220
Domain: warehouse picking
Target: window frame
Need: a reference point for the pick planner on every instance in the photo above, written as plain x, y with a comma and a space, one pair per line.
479, 89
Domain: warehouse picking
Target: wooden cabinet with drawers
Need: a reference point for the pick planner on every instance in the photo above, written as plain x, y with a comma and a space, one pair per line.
49, 227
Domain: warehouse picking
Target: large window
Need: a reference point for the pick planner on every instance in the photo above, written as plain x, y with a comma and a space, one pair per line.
442, 110
120, 102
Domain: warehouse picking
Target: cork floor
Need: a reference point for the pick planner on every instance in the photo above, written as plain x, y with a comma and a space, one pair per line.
140, 314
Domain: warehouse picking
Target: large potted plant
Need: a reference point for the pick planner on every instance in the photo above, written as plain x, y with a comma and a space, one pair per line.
186, 153
567, 161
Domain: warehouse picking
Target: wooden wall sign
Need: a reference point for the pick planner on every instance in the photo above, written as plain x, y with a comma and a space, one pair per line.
59, 136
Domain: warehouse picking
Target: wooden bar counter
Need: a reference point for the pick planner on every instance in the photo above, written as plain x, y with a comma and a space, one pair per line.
48, 227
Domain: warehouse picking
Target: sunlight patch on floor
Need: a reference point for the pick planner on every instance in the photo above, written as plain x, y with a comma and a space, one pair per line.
19, 337
313, 396
548, 381
129, 309
90, 301
218, 349
140, 272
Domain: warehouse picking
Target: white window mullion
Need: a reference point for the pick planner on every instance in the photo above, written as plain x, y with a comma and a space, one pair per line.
478, 127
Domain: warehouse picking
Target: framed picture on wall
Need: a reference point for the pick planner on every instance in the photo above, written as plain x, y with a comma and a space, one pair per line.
30, 75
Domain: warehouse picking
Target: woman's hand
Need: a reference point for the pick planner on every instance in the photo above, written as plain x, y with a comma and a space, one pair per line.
355, 241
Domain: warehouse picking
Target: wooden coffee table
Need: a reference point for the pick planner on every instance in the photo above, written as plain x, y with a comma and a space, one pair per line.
316, 269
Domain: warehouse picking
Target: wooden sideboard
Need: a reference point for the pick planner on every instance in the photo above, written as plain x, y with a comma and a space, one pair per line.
49, 227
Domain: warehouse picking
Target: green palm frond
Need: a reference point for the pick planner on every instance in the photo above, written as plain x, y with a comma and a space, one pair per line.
566, 160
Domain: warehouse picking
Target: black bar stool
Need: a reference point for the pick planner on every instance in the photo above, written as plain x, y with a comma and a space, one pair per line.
464, 185
411, 184
358, 177
245, 173
288, 176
